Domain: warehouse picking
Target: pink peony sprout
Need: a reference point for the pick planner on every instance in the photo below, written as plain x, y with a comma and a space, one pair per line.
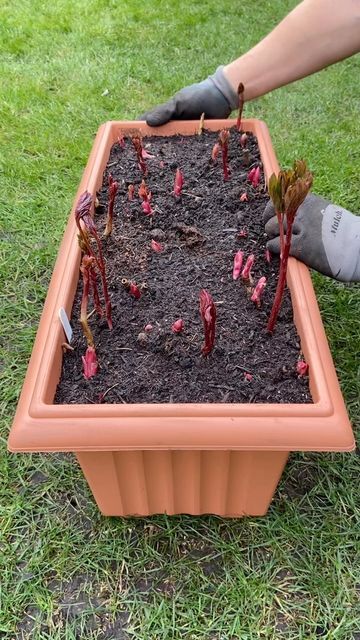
258, 291
243, 233
245, 274
248, 377
156, 246
144, 192
149, 327
224, 144
254, 176
134, 290
215, 151
238, 260
137, 142
208, 315
243, 140
244, 197
131, 191
178, 183
90, 363
145, 154
177, 326
302, 368
112, 191
146, 207
267, 255
121, 141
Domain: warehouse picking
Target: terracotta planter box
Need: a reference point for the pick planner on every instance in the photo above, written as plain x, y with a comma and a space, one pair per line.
142, 459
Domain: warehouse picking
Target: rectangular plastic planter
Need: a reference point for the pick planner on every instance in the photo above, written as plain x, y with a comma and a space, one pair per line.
142, 459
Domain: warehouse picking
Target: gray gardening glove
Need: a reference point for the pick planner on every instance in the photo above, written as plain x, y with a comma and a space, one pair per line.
214, 96
326, 237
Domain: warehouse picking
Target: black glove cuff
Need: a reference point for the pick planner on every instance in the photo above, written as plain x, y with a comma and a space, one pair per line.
221, 83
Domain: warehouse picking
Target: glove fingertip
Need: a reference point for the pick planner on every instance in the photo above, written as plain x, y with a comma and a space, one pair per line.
269, 212
156, 119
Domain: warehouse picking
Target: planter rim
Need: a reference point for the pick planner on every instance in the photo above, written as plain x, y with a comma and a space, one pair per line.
40, 425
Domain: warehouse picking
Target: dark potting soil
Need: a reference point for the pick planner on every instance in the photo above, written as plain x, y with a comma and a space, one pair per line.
201, 231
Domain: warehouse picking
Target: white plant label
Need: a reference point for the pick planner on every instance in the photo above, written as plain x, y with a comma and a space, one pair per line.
66, 324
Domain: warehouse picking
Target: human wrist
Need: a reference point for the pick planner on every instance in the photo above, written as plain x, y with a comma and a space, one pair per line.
225, 87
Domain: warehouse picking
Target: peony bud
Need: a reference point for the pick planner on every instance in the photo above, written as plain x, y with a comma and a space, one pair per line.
243, 140
238, 260
131, 191
215, 151
254, 176
258, 291
134, 290
179, 182
177, 326
245, 274
302, 368
90, 363
146, 207
156, 246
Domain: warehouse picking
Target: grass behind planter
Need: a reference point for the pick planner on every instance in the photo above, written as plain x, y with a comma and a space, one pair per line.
290, 575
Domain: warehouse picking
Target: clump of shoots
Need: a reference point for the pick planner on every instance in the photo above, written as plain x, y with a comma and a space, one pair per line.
178, 183
243, 140
244, 197
87, 230
224, 145
131, 192
177, 326
238, 261
246, 272
288, 191
157, 246
137, 142
121, 141
208, 315
254, 176
240, 92
201, 124
302, 368
112, 191
258, 291
215, 151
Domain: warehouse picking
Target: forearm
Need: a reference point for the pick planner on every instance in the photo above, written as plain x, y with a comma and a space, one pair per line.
314, 35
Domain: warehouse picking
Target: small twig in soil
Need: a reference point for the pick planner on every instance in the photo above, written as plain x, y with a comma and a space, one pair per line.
109, 389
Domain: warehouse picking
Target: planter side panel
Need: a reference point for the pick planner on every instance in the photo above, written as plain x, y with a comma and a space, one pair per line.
142, 483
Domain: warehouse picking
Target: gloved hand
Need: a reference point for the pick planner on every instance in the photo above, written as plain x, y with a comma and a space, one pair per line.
214, 96
325, 236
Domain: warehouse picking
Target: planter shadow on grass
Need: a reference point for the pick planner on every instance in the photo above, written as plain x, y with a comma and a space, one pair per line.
141, 459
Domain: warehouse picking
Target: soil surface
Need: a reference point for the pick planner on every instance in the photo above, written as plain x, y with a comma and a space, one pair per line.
200, 231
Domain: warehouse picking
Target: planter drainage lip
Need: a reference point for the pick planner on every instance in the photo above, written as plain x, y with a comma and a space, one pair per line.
40, 425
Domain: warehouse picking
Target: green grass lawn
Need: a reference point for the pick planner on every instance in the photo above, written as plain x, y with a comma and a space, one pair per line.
66, 571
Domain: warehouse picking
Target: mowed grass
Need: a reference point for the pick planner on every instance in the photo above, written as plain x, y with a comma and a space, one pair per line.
66, 571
